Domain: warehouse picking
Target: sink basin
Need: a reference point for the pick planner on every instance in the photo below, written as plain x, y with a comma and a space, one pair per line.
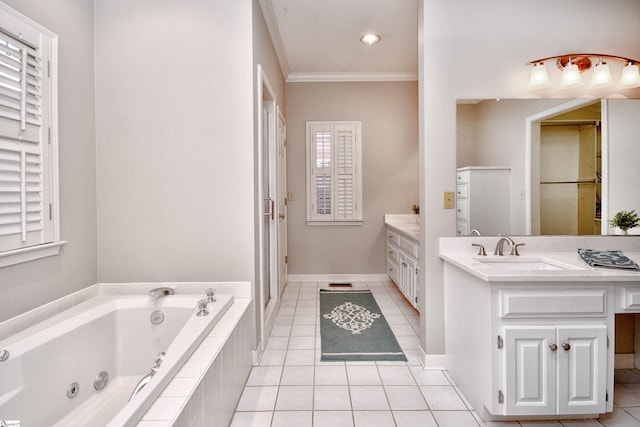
525, 264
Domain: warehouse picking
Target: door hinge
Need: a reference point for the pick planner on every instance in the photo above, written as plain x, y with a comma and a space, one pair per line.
49, 135
416, 300
286, 259
50, 212
286, 201
607, 341
500, 342
416, 271
49, 69
606, 395
500, 397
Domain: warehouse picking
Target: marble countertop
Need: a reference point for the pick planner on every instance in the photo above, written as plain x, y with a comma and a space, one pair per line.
406, 224
462, 255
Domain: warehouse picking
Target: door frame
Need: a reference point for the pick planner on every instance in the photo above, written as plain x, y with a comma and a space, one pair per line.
532, 159
266, 310
282, 200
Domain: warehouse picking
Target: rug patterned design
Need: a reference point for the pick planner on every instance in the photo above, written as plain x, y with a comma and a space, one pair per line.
352, 317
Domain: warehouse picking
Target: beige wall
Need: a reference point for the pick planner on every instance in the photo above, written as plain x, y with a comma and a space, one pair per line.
26, 286
388, 112
175, 140
472, 49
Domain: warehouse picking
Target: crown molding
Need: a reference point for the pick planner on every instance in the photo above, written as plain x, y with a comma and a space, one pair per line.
351, 77
274, 31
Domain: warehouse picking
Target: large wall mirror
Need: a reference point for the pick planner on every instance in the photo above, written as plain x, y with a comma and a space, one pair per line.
546, 166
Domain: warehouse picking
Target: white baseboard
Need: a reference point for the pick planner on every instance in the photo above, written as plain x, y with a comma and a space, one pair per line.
435, 361
625, 361
432, 361
335, 277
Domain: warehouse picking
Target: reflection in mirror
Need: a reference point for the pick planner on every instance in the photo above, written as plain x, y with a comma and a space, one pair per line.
572, 164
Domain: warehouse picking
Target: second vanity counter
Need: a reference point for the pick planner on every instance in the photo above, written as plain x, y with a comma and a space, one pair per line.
527, 343
403, 254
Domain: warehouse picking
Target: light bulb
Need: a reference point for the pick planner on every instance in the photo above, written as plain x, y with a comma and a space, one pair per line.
571, 76
601, 75
630, 76
370, 39
539, 78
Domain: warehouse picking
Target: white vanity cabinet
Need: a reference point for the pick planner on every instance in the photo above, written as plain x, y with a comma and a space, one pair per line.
552, 370
520, 349
402, 263
551, 348
483, 197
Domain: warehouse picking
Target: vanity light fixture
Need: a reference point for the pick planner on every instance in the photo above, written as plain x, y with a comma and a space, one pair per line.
539, 77
571, 76
630, 76
370, 39
601, 76
572, 65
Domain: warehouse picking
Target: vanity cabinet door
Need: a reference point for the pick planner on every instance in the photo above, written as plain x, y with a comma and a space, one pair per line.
554, 370
529, 370
582, 368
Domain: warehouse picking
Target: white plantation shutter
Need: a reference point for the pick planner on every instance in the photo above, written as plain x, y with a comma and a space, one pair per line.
334, 180
25, 170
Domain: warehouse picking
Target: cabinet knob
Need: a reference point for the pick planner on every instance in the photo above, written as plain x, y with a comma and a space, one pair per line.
566, 346
553, 347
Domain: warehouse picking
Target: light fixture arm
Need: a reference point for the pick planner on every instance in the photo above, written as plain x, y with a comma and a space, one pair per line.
577, 58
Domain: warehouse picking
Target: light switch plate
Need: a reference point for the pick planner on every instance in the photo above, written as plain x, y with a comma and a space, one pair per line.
449, 200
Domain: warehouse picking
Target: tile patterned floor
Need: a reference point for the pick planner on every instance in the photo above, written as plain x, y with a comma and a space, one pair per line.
290, 387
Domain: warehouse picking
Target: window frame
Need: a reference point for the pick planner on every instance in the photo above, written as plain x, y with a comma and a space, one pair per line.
24, 30
313, 218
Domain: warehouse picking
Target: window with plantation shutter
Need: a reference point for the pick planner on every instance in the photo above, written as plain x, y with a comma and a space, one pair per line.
334, 168
28, 175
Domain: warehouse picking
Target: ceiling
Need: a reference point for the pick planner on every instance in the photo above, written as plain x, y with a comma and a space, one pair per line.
319, 40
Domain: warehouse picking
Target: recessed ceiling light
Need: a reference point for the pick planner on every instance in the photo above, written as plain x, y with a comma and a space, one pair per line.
370, 39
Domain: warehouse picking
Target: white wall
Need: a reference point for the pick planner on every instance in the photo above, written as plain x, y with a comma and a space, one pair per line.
472, 49
624, 153
175, 140
26, 286
388, 112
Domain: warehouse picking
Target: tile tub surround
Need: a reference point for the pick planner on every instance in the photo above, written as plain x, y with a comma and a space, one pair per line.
221, 362
206, 390
564, 249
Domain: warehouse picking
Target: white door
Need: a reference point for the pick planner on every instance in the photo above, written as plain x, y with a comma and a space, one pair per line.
582, 369
267, 295
268, 217
281, 172
529, 370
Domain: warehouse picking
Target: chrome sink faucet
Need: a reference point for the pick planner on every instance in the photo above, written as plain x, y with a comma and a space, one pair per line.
500, 245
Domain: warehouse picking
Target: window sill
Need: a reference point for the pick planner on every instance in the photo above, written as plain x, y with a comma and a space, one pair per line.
359, 222
31, 253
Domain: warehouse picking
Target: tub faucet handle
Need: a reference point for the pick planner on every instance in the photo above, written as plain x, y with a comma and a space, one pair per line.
202, 308
210, 293
4, 355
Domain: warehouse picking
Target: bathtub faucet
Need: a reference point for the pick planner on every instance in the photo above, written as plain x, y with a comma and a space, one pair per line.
159, 292
145, 380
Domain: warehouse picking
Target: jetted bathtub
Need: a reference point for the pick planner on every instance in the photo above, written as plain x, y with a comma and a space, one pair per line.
55, 372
